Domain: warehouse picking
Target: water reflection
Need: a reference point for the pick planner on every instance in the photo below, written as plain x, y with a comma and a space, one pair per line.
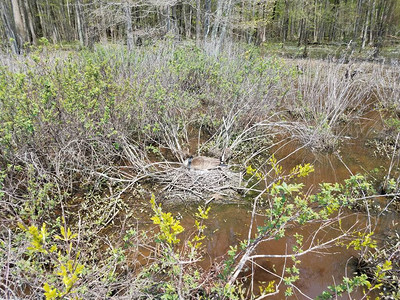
229, 224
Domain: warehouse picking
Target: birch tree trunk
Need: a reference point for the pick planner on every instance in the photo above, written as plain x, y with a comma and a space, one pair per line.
358, 19
210, 20
78, 22
174, 20
42, 22
168, 17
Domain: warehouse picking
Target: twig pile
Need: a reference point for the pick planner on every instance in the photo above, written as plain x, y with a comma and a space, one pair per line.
181, 184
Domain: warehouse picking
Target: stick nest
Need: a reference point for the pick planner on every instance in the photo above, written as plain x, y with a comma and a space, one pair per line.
184, 185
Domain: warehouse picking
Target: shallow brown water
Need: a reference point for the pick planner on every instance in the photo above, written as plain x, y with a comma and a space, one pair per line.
353, 155
229, 224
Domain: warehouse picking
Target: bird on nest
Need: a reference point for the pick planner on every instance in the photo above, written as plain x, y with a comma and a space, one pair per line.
203, 163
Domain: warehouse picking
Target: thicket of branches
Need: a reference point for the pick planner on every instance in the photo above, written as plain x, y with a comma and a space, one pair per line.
81, 131
85, 135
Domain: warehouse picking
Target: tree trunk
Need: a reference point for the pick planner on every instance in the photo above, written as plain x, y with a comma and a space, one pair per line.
42, 23
358, 17
285, 27
174, 20
385, 8
167, 13
207, 8
223, 15
30, 22
198, 22
301, 32
103, 27
305, 51
316, 23
263, 27
250, 32
366, 25
217, 20
187, 19
129, 30
8, 28
20, 33
80, 23
371, 23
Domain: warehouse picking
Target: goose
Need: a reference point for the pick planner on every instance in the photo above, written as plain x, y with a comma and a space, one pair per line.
202, 163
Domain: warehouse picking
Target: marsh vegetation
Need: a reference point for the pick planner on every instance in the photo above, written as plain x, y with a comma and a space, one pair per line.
89, 136
200, 169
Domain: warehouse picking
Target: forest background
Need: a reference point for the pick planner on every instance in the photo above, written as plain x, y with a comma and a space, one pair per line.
355, 23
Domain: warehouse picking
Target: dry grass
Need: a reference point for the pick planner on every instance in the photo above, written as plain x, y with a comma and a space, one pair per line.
326, 98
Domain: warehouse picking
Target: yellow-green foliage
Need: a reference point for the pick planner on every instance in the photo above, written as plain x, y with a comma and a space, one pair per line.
38, 238
52, 103
169, 227
334, 196
275, 166
201, 215
380, 274
349, 284
253, 172
55, 97
66, 265
302, 170
363, 240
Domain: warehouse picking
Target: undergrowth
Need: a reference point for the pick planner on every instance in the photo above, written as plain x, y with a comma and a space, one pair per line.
79, 130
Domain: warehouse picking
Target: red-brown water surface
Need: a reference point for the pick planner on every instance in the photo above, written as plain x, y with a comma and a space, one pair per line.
229, 224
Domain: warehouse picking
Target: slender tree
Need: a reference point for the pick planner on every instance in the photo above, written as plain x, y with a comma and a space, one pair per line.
20, 29
129, 30
8, 27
